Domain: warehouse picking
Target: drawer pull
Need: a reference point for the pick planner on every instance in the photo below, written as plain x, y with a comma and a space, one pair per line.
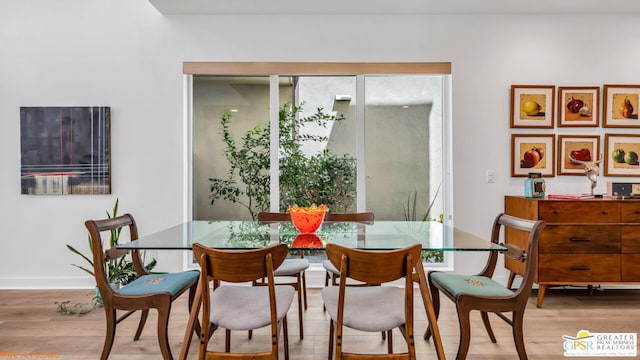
580, 239
556, 212
580, 268
637, 212
605, 213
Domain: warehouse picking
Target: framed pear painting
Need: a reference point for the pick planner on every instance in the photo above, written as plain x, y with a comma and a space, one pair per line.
532, 106
620, 106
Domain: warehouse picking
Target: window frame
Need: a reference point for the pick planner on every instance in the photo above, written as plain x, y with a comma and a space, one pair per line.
359, 70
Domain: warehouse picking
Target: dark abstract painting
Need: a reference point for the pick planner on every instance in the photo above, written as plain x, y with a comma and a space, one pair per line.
65, 150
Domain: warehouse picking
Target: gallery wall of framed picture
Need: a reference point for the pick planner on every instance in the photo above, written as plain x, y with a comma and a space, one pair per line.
557, 129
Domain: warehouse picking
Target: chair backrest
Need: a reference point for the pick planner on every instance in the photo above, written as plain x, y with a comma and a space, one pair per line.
266, 217
366, 217
101, 256
239, 265
374, 267
529, 256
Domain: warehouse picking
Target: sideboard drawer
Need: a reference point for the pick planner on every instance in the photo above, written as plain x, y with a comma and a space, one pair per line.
630, 212
578, 268
576, 239
631, 267
579, 212
630, 239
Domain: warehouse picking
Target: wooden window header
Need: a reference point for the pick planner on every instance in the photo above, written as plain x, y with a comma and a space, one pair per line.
300, 68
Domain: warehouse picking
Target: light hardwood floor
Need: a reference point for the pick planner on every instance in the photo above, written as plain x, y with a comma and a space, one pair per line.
30, 326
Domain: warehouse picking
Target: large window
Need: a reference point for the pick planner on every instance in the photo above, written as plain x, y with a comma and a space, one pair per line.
357, 136
403, 147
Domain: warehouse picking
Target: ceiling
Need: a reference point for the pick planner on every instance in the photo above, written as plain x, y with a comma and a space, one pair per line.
240, 7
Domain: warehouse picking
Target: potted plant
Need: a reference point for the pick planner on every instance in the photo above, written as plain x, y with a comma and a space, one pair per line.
120, 271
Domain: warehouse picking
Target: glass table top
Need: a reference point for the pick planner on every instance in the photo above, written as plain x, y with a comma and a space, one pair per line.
380, 235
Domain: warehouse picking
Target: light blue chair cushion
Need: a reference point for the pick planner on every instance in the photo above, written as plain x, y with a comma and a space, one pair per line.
158, 283
470, 284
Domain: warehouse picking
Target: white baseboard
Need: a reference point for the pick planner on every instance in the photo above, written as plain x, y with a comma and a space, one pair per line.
37, 283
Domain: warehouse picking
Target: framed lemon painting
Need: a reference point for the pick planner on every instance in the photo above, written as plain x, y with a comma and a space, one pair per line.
532, 106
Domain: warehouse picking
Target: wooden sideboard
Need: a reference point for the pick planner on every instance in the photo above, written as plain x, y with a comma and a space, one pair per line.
585, 242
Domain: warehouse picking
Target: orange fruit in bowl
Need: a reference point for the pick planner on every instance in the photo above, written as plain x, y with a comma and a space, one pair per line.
307, 219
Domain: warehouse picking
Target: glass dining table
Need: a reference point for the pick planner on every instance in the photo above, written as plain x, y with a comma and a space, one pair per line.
379, 235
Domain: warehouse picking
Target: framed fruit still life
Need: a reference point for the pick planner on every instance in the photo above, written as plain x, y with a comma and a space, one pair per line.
574, 150
621, 152
578, 106
620, 106
532, 153
532, 106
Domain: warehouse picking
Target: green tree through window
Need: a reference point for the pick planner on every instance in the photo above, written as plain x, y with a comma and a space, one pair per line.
322, 178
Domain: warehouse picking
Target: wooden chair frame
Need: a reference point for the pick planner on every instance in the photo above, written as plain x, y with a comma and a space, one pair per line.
236, 266
374, 267
300, 280
113, 301
366, 217
515, 303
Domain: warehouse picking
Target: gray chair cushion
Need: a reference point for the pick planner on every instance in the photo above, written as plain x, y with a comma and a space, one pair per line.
370, 308
247, 307
328, 265
291, 267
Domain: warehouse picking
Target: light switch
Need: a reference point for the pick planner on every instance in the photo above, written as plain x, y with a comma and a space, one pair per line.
491, 176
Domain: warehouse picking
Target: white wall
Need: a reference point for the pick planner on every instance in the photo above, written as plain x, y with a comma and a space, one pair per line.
126, 55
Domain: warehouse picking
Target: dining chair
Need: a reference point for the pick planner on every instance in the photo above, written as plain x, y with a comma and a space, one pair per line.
372, 308
237, 307
291, 267
481, 292
148, 291
367, 217
331, 272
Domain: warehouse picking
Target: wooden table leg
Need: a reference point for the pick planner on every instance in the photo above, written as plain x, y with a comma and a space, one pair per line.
542, 289
193, 318
428, 306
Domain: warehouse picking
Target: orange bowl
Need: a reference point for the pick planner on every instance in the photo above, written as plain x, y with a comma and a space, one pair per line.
307, 241
307, 220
